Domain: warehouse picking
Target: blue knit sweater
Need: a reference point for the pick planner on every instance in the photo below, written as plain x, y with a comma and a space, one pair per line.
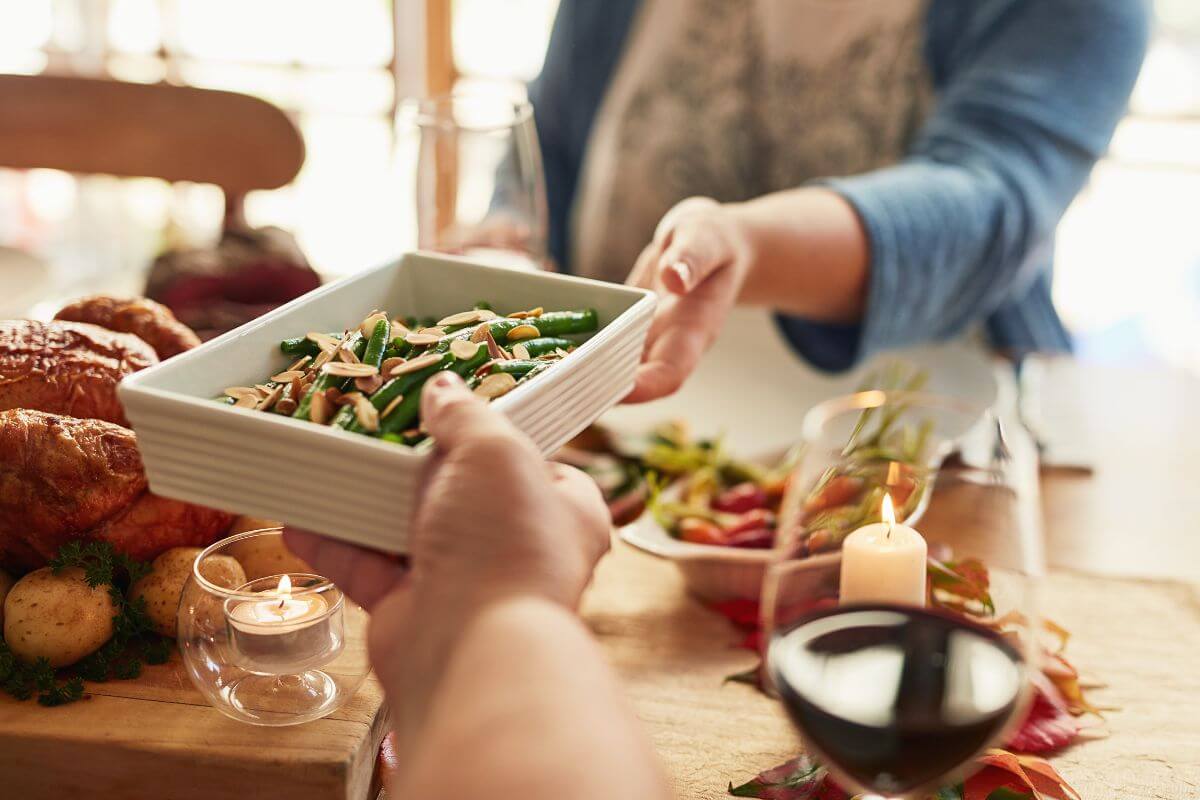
962, 229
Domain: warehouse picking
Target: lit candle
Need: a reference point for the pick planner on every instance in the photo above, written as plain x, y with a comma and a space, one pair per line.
884, 563
282, 633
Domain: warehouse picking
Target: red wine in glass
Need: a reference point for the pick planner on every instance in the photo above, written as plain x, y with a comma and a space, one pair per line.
896, 698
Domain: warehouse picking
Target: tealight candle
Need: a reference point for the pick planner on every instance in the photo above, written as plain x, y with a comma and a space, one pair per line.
884, 563
282, 633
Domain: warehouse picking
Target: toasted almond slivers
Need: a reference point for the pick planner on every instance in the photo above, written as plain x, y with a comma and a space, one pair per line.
461, 318
487, 367
520, 351
533, 312
238, 392
297, 388
323, 340
286, 405
369, 384
480, 333
272, 398
399, 330
497, 385
346, 370
298, 363
346, 355
420, 362
419, 339
347, 399
320, 408
522, 332
389, 364
390, 407
367, 327
464, 350
247, 401
321, 360
287, 376
367, 416
561, 353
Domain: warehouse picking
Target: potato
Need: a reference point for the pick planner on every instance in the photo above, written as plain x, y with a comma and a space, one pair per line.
6, 583
162, 587
261, 556
57, 617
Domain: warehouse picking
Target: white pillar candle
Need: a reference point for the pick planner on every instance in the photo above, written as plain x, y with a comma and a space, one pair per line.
884, 563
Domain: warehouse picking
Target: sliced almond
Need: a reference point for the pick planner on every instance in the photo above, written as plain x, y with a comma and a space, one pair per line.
321, 360
345, 370
367, 327
520, 351
464, 350
286, 405
533, 312
462, 318
399, 330
347, 399
369, 384
522, 332
333, 395
435, 330
366, 413
419, 339
287, 376
298, 363
262, 389
323, 340
389, 364
247, 401
320, 408
494, 350
486, 368
497, 385
238, 392
560, 352
346, 355
272, 398
481, 333
390, 407
297, 390
420, 362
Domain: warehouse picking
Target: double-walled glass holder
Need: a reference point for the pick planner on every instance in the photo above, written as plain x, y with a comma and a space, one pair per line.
266, 653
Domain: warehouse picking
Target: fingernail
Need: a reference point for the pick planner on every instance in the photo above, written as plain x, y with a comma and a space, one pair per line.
683, 271
443, 380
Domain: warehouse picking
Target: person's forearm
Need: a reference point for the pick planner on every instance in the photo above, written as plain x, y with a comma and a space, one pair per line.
525, 707
809, 254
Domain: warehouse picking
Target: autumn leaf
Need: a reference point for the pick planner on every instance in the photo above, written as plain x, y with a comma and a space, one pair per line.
1022, 775
802, 778
960, 586
1048, 725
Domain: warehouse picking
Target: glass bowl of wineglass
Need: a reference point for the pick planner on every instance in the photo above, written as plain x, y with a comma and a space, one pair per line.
912, 652
266, 640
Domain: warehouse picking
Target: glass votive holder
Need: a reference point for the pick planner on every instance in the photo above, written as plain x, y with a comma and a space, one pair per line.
279, 649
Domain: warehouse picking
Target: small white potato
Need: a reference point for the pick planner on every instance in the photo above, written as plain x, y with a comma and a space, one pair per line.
245, 523
162, 587
57, 617
6, 583
261, 556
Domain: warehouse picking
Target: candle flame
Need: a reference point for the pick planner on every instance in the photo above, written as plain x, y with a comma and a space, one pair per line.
285, 586
886, 511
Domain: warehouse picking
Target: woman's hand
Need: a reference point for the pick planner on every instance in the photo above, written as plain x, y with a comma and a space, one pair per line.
698, 261
495, 521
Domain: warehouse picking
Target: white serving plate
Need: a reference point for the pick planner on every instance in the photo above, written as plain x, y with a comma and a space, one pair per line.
346, 485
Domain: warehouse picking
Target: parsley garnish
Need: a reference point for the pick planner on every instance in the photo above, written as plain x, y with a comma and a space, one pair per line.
133, 641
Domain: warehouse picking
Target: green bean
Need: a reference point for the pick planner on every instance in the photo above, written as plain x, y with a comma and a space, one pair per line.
302, 346
546, 344
551, 323
402, 385
405, 414
483, 305
325, 381
373, 354
517, 368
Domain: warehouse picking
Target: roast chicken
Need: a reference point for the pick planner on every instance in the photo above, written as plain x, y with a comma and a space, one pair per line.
69, 466
64, 478
67, 368
151, 322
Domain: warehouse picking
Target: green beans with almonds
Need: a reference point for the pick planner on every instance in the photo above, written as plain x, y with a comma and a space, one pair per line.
357, 345
545, 344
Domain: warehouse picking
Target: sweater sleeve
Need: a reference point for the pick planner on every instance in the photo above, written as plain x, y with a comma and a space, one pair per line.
1030, 92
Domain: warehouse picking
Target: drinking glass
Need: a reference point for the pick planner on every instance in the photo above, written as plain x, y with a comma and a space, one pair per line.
480, 189
911, 650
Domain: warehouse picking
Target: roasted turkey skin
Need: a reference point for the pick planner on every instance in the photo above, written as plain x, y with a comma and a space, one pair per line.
70, 368
151, 322
64, 478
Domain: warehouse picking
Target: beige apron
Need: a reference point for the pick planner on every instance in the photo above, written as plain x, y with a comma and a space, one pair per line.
733, 99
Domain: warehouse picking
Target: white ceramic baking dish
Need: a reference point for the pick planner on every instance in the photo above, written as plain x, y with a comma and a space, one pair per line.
348, 485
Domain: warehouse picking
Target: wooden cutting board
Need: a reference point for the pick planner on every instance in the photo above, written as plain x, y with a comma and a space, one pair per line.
155, 738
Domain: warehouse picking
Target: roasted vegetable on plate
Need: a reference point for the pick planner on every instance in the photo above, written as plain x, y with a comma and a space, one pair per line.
368, 379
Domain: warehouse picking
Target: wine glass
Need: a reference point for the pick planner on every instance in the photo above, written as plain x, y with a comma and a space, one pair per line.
907, 656
480, 189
